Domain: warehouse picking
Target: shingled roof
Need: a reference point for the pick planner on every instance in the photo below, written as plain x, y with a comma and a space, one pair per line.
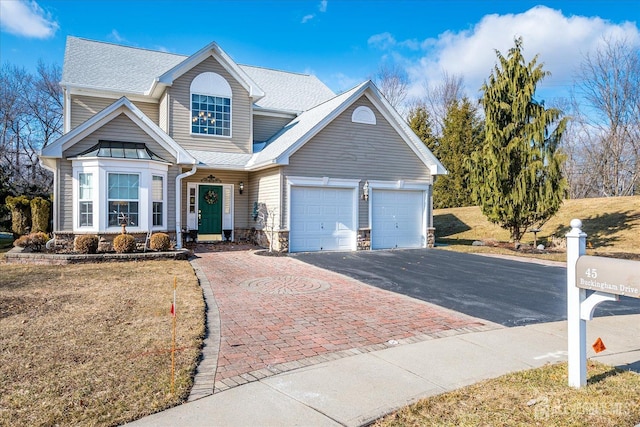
127, 70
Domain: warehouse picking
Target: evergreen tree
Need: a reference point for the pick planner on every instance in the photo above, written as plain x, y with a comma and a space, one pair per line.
462, 135
517, 176
420, 123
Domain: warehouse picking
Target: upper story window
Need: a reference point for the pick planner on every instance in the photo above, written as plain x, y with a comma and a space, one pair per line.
210, 105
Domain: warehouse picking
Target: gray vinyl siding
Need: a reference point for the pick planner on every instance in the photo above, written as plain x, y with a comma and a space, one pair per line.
241, 210
180, 113
350, 150
172, 173
264, 187
85, 107
264, 127
65, 196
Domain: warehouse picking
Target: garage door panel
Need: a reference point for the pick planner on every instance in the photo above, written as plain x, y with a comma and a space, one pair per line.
397, 219
321, 219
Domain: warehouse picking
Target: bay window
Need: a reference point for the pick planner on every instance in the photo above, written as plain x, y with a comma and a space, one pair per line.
85, 199
110, 190
123, 199
157, 195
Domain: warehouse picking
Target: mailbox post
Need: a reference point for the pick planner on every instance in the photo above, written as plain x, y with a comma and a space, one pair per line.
608, 277
576, 326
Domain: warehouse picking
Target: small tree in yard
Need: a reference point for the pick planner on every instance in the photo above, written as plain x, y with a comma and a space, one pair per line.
267, 218
517, 176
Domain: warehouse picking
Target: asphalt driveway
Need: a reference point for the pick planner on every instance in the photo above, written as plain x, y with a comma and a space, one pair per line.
507, 292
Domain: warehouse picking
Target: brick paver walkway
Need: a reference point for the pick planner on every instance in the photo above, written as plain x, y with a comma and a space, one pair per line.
278, 313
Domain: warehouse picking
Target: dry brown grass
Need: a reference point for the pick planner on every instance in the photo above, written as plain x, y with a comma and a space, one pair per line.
538, 397
90, 344
612, 225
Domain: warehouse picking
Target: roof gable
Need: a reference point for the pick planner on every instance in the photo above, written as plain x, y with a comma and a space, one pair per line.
212, 49
303, 128
121, 106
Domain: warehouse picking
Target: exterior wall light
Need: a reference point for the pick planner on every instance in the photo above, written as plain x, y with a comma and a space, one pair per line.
241, 187
365, 191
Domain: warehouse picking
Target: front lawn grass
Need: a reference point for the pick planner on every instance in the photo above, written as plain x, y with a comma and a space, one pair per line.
538, 397
90, 344
612, 225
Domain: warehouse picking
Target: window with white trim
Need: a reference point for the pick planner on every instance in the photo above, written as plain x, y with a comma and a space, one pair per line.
85, 199
123, 199
210, 105
157, 195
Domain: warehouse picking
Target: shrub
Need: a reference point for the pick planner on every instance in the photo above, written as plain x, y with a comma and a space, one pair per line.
159, 242
40, 213
86, 244
20, 214
34, 241
124, 243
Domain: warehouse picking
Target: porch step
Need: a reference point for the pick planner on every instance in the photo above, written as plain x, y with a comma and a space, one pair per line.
203, 238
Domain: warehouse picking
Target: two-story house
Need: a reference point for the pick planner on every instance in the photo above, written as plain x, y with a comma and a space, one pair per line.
202, 145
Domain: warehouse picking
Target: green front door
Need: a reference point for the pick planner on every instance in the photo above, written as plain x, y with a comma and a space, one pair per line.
210, 209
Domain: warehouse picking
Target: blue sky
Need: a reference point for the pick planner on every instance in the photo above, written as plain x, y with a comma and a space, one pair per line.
343, 42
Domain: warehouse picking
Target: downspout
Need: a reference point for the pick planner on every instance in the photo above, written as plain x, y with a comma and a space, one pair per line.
179, 179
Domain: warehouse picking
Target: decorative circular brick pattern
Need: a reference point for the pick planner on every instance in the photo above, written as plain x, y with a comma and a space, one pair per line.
285, 285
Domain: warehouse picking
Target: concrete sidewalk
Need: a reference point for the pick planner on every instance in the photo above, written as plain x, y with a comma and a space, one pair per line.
355, 390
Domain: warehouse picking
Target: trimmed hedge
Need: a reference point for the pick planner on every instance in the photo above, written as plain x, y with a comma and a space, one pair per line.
159, 242
124, 243
86, 244
20, 214
40, 212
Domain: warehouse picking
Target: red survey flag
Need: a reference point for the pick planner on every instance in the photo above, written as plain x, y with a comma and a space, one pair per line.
598, 346
173, 310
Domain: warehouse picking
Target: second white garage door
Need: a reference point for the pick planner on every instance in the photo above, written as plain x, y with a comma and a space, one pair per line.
322, 219
397, 219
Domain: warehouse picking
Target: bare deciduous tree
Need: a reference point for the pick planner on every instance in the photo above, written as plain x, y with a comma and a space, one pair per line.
439, 98
392, 82
30, 118
607, 121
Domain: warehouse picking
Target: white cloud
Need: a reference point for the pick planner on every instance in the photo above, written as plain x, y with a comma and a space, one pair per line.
322, 7
27, 19
560, 41
116, 37
383, 41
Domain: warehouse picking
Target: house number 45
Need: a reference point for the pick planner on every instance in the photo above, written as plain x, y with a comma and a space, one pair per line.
591, 273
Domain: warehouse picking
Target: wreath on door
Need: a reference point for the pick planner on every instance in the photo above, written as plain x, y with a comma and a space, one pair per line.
211, 197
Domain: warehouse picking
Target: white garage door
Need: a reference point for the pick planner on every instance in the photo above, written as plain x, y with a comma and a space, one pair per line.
322, 219
397, 217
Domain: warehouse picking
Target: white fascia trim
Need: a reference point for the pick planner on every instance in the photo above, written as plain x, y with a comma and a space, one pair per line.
308, 181
212, 49
400, 184
387, 111
85, 90
285, 114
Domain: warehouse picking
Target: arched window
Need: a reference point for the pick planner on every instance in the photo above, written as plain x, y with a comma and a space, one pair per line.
210, 105
364, 115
